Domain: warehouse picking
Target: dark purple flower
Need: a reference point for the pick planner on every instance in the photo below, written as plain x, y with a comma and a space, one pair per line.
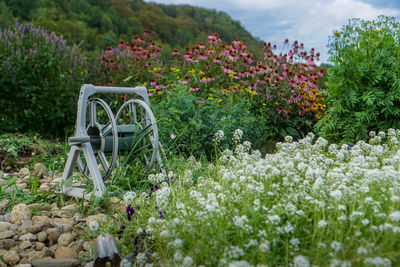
130, 211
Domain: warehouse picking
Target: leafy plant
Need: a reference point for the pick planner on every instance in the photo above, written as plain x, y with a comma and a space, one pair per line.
188, 122
364, 84
40, 81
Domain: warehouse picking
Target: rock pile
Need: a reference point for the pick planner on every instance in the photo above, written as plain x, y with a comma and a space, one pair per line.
48, 239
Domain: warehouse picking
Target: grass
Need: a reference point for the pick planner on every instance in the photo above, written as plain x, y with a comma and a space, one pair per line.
309, 203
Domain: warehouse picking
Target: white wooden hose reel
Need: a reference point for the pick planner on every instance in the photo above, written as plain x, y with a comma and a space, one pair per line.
99, 137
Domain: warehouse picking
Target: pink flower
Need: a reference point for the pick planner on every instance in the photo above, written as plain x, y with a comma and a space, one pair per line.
109, 52
194, 89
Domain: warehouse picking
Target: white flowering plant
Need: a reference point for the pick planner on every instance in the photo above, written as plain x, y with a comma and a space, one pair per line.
309, 203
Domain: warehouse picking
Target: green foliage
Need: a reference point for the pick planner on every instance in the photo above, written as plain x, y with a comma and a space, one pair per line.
188, 123
40, 81
364, 83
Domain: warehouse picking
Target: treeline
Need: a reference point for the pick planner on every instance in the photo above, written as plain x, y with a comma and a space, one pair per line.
100, 23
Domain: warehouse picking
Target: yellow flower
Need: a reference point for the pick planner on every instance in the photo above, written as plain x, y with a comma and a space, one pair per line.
175, 70
192, 71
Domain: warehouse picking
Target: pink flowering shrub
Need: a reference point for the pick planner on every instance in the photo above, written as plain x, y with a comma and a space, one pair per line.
281, 87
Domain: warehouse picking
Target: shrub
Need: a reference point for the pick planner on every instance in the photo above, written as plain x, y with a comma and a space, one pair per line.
188, 122
40, 81
364, 83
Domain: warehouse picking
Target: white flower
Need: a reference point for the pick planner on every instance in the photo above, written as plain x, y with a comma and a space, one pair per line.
247, 146
377, 261
264, 247
241, 263
141, 258
336, 246
288, 139
300, 261
93, 226
237, 135
178, 256
129, 196
322, 224
395, 216
188, 261
365, 222
162, 197
337, 194
362, 250
218, 136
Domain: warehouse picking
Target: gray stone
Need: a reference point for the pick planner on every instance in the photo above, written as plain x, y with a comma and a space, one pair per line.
39, 170
24, 172
49, 262
7, 217
42, 236
24, 225
41, 220
44, 188
63, 224
24, 265
2, 264
49, 252
77, 245
6, 234
7, 244
53, 234
65, 239
20, 213
25, 245
22, 186
39, 246
2, 219
28, 236
100, 218
4, 226
65, 252
11, 258
34, 229
66, 211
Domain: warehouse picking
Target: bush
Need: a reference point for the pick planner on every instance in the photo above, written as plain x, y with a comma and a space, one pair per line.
364, 83
40, 81
188, 122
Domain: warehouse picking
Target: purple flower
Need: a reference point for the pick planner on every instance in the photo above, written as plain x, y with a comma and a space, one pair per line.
130, 211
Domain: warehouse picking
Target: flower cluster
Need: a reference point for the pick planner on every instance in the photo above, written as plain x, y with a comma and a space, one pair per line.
318, 203
280, 85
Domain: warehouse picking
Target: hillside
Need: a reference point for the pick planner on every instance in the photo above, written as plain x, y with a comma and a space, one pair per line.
99, 23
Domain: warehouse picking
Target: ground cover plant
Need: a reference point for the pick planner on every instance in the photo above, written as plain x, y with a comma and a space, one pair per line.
310, 203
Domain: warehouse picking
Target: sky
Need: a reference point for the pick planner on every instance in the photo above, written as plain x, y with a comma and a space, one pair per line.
309, 21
